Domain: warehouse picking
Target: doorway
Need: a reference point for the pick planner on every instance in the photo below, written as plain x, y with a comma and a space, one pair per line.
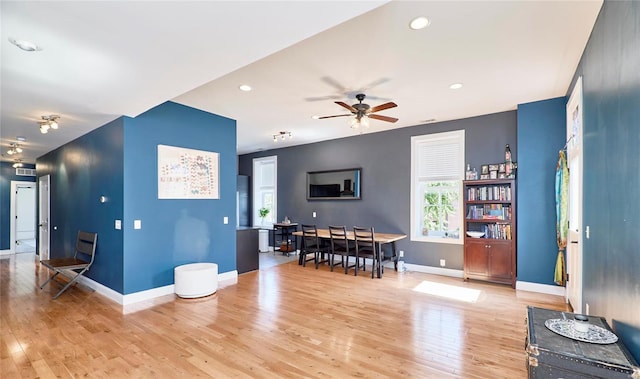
574, 161
23, 217
44, 215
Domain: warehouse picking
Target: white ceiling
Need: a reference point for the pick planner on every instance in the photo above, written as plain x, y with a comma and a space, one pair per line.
100, 60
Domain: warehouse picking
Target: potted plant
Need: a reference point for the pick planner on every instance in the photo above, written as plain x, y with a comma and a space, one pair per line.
263, 212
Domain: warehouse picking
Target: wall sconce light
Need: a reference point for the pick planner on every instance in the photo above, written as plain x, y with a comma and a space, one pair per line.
14, 148
282, 136
48, 122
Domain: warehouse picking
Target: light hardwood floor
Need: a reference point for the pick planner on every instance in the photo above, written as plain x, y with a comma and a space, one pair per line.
284, 321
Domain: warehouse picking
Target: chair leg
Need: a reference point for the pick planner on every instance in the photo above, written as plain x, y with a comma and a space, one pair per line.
50, 279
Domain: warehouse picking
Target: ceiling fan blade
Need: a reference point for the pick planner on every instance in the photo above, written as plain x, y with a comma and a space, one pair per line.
383, 118
349, 107
384, 106
322, 98
338, 115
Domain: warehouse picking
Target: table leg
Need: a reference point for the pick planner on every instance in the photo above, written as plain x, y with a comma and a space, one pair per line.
395, 255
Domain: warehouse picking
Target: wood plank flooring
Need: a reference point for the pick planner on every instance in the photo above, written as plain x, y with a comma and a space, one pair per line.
286, 321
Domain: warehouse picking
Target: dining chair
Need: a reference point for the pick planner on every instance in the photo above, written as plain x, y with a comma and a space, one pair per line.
366, 248
311, 245
340, 245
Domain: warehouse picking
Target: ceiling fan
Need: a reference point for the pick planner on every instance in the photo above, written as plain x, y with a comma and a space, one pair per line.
363, 111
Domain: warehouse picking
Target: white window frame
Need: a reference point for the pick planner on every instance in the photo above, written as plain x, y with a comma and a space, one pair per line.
454, 163
260, 190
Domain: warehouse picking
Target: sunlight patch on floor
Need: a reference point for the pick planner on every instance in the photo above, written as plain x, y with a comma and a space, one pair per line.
448, 291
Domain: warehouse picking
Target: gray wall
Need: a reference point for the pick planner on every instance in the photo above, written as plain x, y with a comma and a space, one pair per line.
385, 159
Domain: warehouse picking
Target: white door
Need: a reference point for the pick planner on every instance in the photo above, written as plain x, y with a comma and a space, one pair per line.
574, 161
23, 217
43, 222
25, 220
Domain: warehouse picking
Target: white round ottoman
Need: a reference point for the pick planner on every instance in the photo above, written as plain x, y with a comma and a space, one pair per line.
196, 279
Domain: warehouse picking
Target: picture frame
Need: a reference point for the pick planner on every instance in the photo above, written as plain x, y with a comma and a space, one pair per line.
484, 169
502, 175
187, 173
494, 167
493, 174
502, 167
484, 176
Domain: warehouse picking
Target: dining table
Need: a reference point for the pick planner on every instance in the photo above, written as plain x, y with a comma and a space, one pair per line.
380, 238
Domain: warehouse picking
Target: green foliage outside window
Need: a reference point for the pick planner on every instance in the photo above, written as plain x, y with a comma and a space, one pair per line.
441, 201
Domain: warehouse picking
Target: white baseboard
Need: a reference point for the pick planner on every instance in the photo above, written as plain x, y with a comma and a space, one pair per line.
227, 278
540, 288
6, 252
434, 270
224, 279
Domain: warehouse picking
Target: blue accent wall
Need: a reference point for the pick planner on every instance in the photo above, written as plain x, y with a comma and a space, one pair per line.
175, 232
611, 119
81, 172
8, 174
541, 135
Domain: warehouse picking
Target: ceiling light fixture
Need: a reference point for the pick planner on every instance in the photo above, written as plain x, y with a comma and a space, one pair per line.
282, 136
456, 86
359, 122
419, 23
25, 45
14, 148
245, 88
18, 163
48, 122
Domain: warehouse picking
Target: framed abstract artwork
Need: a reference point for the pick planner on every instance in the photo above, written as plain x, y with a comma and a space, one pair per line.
187, 173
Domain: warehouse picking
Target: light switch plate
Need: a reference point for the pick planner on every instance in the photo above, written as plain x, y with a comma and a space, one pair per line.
137, 224
226, 220
118, 224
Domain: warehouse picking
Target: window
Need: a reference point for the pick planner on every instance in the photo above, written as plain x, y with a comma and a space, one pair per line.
265, 174
437, 170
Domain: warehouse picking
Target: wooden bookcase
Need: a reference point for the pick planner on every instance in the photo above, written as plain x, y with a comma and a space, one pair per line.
490, 207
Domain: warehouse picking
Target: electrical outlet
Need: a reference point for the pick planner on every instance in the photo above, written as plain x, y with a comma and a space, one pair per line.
586, 309
118, 224
137, 224
314, 214
401, 253
225, 220
443, 263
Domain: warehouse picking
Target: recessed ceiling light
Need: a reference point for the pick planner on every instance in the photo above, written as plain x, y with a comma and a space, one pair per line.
456, 86
315, 117
419, 23
245, 88
25, 45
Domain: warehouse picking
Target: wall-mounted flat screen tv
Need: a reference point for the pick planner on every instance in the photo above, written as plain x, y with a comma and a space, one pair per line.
334, 184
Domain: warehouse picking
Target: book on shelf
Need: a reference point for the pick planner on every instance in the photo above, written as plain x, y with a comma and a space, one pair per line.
489, 193
489, 212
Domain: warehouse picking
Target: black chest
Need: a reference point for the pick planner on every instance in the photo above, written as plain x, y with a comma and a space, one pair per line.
550, 355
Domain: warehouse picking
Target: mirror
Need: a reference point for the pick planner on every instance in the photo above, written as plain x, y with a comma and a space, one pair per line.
334, 184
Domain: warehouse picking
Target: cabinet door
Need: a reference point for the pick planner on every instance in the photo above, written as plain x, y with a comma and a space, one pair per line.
500, 260
476, 258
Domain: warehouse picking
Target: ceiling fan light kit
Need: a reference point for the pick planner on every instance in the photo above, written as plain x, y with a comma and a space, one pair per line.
363, 112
